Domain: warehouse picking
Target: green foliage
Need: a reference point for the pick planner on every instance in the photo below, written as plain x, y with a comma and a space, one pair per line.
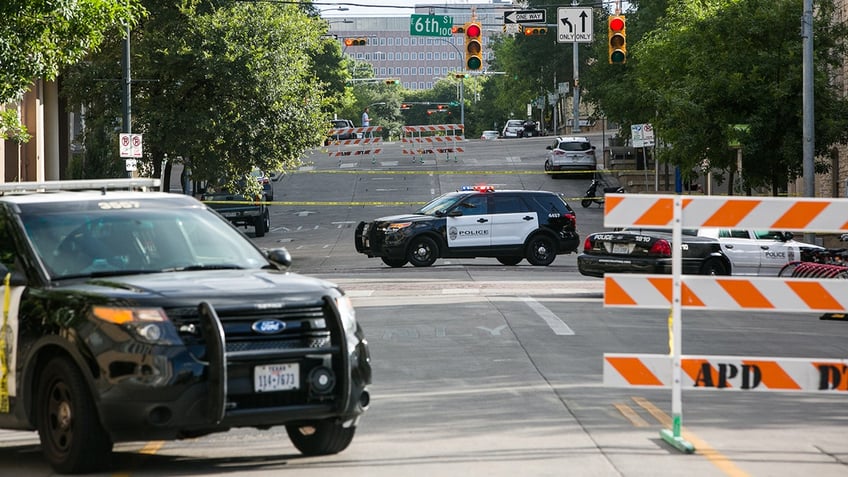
226, 87
714, 64
11, 127
38, 37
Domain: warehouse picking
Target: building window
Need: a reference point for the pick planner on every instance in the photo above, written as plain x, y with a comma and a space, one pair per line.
405, 41
405, 56
391, 40
420, 71
406, 71
429, 55
382, 41
383, 71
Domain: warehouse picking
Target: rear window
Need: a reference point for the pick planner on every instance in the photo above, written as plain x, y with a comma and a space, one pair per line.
575, 146
513, 123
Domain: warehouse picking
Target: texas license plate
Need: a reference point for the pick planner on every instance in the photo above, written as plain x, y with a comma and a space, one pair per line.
276, 377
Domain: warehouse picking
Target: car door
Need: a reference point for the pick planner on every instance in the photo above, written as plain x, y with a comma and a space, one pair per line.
743, 251
774, 251
512, 220
469, 223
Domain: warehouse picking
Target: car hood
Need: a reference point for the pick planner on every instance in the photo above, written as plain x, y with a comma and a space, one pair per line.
210, 285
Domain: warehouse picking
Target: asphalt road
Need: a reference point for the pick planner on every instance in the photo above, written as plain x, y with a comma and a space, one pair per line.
486, 370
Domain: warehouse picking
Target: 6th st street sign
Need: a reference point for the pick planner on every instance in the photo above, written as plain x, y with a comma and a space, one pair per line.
574, 25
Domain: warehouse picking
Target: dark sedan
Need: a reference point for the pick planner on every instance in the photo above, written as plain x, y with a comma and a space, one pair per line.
649, 251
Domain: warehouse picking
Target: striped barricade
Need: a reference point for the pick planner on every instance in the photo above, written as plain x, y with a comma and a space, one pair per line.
432, 139
364, 144
678, 292
727, 373
699, 292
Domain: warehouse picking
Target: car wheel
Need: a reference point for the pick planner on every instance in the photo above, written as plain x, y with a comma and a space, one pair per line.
423, 252
586, 203
72, 438
510, 261
541, 250
714, 266
321, 437
549, 169
394, 262
262, 225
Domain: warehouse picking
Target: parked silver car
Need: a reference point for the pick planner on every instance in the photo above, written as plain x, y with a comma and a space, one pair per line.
570, 153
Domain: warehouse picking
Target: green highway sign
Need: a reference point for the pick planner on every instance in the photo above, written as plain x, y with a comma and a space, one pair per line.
430, 25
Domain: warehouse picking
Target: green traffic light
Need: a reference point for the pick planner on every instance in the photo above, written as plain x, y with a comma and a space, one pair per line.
617, 57
473, 63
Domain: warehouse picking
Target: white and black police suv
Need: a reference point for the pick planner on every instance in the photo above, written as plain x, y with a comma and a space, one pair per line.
475, 221
135, 315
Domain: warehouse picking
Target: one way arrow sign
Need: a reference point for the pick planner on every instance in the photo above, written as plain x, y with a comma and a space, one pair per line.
524, 16
574, 25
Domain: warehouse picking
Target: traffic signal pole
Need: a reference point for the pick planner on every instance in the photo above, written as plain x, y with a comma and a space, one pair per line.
575, 122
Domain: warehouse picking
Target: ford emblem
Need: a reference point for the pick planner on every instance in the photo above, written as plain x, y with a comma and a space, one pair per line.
268, 327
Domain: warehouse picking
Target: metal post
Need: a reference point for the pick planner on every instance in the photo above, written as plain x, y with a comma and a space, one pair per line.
575, 122
127, 81
462, 104
808, 107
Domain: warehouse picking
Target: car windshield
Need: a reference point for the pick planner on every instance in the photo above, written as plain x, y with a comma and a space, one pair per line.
85, 239
440, 205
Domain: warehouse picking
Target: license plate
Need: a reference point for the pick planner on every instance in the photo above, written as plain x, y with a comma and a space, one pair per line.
276, 377
621, 248
230, 214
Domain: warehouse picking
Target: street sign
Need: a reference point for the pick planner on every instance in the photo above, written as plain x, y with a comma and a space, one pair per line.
524, 16
430, 25
131, 145
642, 135
574, 25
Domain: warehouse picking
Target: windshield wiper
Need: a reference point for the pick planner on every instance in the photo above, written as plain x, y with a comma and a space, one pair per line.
213, 266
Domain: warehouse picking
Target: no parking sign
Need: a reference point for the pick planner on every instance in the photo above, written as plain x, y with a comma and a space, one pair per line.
131, 145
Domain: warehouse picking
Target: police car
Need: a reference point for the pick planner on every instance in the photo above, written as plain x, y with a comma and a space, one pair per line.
475, 221
135, 315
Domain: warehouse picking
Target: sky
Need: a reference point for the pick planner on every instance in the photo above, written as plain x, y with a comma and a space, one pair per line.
360, 8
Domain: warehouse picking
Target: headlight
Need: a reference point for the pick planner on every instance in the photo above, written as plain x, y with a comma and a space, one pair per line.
147, 324
398, 226
348, 316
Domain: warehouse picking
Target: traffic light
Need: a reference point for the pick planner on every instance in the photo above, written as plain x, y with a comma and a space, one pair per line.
355, 41
458, 29
392, 81
404, 106
442, 107
473, 46
617, 40
532, 31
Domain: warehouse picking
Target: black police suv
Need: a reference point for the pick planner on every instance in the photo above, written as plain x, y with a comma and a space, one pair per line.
134, 315
509, 225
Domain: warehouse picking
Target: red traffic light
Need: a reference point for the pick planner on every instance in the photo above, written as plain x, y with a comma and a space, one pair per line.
473, 30
616, 24
355, 41
457, 29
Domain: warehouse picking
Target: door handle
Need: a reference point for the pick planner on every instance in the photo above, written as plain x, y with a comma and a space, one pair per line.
764, 247
482, 221
527, 217
728, 246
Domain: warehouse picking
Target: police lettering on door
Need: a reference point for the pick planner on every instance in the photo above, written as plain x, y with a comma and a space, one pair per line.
454, 234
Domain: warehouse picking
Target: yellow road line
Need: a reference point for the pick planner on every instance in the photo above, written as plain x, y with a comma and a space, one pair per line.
631, 415
701, 447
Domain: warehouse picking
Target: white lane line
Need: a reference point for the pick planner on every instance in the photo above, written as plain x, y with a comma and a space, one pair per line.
559, 326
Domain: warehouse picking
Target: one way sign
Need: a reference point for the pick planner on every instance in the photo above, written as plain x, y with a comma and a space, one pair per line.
524, 16
574, 25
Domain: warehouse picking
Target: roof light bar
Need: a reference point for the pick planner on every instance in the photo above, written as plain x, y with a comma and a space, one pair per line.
90, 184
478, 188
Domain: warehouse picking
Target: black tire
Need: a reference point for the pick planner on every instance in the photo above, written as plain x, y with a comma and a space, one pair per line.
586, 203
541, 250
423, 252
510, 261
72, 438
549, 169
263, 225
714, 266
394, 262
320, 438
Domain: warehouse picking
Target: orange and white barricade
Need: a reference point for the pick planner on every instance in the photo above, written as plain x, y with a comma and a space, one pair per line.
366, 143
678, 292
419, 141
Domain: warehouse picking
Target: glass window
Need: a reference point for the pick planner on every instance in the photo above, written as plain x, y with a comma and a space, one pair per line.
509, 204
475, 205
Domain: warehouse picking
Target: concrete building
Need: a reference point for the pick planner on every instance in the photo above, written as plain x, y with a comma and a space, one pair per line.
418, 61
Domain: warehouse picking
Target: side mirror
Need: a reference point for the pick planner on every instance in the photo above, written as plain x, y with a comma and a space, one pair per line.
549, 148
17, 278
455, 213
280, 257
787, 236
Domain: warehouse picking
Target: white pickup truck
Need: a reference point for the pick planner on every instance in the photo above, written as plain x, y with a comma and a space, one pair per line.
758, 252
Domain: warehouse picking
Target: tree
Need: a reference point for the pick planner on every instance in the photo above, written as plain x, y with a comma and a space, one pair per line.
226, 87
707, 66
37, 38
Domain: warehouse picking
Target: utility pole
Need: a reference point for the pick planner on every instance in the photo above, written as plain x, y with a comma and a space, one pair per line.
575, 122
127, 89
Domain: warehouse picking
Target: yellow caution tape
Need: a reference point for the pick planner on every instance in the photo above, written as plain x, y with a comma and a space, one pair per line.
4, 369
